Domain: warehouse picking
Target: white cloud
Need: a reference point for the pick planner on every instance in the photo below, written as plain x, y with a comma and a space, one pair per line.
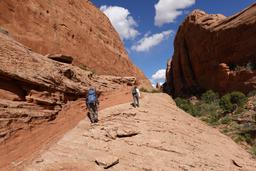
168, 10
159, 75
122, 21
147, 42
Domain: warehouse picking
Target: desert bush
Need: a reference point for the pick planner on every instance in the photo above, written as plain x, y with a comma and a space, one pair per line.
238, 138
209, 96
238, 98
230, 102
187, 106
209, 108
156, 91
253, 150
142, 89
211, 112
225, 103
225, 120
183, 103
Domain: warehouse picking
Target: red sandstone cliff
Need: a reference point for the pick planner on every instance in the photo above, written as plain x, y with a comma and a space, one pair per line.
71, 27
214, 52
34, 89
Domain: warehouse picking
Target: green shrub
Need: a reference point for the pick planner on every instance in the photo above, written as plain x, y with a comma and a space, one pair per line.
210, 112
238, 138
209, 96
211, 119
187, 106
225, 120
230, 102
142, 89
238, 98
209, 109
253, 150
183, 103
156, 91
239, 110
225, 103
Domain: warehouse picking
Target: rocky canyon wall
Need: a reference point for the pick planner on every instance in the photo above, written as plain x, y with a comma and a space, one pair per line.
214, 52
71, 27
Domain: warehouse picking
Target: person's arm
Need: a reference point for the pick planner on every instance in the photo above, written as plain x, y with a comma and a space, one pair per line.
138, 91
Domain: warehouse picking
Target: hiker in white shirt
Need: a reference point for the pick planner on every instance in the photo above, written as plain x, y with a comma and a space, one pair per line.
136, 96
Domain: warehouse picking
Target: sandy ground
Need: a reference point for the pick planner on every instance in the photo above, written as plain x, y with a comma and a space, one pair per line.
156, 136
25, 145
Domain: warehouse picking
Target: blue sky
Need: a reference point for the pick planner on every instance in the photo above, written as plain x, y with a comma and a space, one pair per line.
148, 27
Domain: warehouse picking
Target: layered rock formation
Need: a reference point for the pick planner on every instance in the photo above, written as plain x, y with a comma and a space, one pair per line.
150, 138
214, 52
33, 88
73, 27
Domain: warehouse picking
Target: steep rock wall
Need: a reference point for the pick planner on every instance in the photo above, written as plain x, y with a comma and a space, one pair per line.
214, 52
71, 27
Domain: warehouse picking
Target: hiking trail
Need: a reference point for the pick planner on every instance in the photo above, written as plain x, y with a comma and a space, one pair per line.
156, 136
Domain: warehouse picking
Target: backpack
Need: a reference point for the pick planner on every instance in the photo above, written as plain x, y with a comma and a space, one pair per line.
91, 96
134, 92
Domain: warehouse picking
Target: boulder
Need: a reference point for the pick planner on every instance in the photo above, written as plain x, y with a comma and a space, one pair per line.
215, 52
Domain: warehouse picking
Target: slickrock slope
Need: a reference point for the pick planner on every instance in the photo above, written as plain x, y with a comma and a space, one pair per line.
33, 89
71, 27
214, 52
156, 136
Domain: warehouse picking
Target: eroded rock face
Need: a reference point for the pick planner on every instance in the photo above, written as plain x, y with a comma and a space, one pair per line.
33, 88
214, 52
72, 27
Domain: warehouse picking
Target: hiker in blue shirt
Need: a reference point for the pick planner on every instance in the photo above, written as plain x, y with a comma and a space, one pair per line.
92, 105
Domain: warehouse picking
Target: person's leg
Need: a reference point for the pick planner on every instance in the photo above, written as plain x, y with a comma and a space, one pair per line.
91, 115
134, 101
95, 109
138, 103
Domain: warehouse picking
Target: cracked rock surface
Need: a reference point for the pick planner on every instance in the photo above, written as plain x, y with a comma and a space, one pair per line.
157, 136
